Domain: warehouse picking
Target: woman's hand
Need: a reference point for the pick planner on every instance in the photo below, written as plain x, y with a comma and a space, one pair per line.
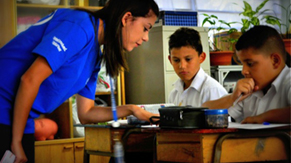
18, 151
142, 114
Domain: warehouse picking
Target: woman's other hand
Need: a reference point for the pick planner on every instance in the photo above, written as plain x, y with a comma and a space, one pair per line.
18, 151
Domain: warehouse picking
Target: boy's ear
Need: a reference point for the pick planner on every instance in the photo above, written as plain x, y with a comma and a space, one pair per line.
276, 60
126, 18
169, 57
202, 57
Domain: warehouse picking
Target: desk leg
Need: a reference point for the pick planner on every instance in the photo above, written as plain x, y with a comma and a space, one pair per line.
86, 157
282, 135
155, 150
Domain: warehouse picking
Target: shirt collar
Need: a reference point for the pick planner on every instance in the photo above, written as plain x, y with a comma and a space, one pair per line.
275, 84
198, 80
196, 83
278, 81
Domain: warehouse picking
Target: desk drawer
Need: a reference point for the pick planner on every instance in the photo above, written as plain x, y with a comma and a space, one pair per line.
179, 147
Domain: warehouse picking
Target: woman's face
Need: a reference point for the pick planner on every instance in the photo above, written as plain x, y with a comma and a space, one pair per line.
135, 30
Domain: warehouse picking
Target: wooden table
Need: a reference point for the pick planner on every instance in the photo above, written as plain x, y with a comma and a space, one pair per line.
192, 145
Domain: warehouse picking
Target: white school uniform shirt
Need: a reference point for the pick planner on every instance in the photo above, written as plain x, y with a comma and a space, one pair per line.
203, 88
278, 96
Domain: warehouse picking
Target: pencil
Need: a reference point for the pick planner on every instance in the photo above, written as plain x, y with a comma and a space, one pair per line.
236, 101
180, 104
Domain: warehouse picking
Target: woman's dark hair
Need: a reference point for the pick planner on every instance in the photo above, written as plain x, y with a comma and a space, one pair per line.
185, 37
262, 38
111, 14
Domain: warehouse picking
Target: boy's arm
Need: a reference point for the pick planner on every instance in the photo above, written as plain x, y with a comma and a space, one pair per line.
223, 102
244, 87
281, 115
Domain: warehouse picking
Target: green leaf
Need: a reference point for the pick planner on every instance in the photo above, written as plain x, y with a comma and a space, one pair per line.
213, 16
220, 28
264, 11
224, 22
204, 21
261, 6
255, 21
248, 7
272, 20
231, 30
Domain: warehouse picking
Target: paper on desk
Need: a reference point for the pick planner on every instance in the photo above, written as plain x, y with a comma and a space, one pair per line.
122, 122
154, 108
254, 126
149, 126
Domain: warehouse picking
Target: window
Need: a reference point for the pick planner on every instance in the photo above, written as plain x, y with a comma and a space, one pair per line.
227, 10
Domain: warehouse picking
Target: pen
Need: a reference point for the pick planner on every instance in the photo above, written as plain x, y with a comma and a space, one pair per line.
266, 123
236, 101
114, 112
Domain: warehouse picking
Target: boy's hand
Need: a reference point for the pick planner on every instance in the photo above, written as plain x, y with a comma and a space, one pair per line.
246, 87
254, 119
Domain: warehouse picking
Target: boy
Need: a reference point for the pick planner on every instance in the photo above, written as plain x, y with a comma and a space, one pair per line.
266, 89
194, 86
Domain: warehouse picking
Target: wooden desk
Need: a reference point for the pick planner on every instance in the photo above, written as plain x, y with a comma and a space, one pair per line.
192, 145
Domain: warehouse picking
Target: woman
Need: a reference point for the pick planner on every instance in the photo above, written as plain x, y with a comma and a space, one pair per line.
60, 56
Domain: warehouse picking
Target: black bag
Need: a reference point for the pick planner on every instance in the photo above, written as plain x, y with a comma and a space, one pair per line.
181, 117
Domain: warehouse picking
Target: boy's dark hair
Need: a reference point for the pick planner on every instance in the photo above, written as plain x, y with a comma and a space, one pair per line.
185, 37
262, 38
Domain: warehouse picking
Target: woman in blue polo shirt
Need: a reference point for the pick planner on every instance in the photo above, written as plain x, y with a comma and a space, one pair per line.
60, 56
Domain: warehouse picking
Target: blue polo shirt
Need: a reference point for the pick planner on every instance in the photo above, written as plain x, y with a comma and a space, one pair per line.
66, 39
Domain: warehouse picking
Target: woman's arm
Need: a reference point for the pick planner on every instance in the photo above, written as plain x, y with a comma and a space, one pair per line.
88, 113
26, 94
281, 115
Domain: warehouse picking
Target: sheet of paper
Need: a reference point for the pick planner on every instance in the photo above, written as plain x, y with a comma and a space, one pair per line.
154, 108
122, 122
149, 126
8, 157
254, 126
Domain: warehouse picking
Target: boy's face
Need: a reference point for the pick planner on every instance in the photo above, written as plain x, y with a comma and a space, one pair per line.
186, 62
257, 66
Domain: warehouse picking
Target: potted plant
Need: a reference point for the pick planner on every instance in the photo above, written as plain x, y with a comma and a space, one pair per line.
222, 44
286, 35
251, 18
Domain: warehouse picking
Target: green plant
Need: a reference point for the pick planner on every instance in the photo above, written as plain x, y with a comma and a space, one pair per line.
252, 16
287, 11
217, 26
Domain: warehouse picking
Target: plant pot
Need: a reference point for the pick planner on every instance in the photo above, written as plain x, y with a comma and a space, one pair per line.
221, 58
287, 43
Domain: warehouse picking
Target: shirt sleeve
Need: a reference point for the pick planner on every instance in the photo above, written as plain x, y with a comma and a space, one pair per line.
61, 42
236, 112
288, 93
89, 90
213, 94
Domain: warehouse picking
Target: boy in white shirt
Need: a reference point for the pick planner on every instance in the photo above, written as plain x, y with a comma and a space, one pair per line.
266, 89
194, 86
